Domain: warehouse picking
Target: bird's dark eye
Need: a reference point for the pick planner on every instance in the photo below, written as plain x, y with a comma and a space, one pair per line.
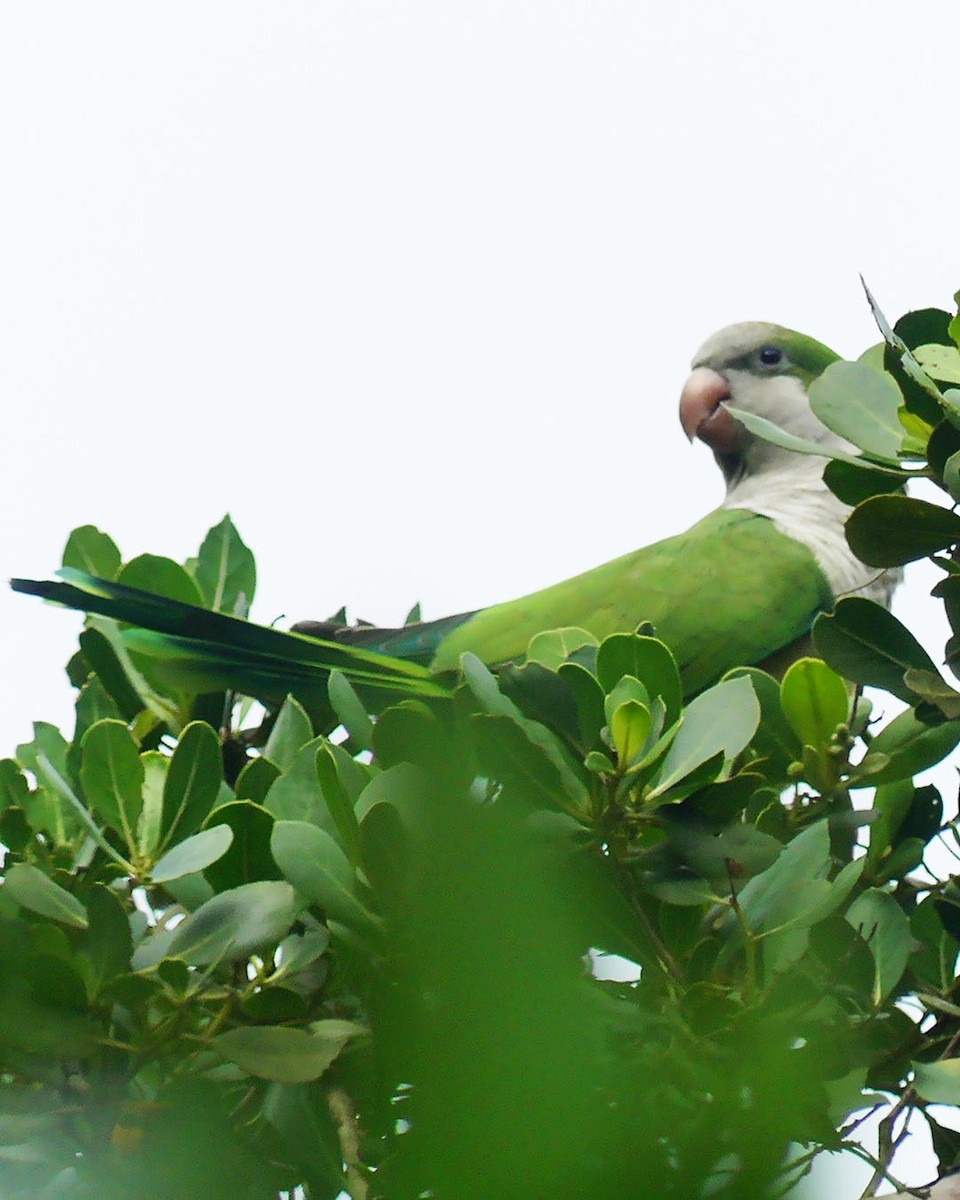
770, 356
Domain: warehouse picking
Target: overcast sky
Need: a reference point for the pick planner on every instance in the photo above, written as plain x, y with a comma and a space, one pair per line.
411, 288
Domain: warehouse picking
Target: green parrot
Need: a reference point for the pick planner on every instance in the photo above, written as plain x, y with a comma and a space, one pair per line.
740, 587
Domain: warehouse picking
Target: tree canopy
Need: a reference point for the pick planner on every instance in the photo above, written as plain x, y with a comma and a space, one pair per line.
360, 949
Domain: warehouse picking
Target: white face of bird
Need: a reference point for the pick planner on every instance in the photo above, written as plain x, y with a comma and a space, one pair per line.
760, 368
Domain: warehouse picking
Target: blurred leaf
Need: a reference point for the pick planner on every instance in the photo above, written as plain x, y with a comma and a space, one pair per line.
861, 405
90, 550
938, 1082
815, 701
27, 886
226, 572
155, 767
193, 854
291, 731
588, 697
297, 794
285, 1055
112, 777
882, 924
162, 576
13, 785
888, 531
867, 644
193, 782
769, 432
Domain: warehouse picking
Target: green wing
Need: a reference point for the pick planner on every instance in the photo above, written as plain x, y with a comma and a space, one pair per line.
732, 590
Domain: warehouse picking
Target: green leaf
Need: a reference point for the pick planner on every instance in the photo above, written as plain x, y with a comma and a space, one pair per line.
903, 748
867, 644
350, 710
554, 646
193, 854
155, 767
14, 790
815, 702
853, 484
883, 925
226, 572
162, 577
933, 688
861, 405
248, 857
888, 531
112, 777
646, 659
90, 550
721, 720
231, 926
27, 886
193, 782
630, 727
320, 871
940, 362
339, 802
282, 1054
109, 942
769, 432
291, 731
256, 779
938, 1082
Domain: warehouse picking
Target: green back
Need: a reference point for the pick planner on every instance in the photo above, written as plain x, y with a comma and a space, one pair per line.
730, 591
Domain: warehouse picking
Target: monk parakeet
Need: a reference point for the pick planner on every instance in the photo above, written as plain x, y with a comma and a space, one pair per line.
741, 586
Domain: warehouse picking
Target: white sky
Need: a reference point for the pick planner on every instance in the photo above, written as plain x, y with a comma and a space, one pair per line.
411, 288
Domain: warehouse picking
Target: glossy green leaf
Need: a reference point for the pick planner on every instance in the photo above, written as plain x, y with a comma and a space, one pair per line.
225, 571
867, 644
888, 531
883, 925
815, 701
630, 727
282, 1054
193, 781
149, 830
88, 549
193, 854
861, 405
256, 779
112, 777
29, 887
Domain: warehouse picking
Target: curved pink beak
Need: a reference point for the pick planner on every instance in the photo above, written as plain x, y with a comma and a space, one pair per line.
702, 414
